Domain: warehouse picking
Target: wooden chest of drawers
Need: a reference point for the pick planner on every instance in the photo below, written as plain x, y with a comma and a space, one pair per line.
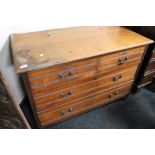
70, 71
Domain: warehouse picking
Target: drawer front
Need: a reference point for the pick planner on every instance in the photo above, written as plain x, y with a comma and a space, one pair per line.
97, 83
148, 78
63, 73
76, 72
71, 109
121, 59
150, 67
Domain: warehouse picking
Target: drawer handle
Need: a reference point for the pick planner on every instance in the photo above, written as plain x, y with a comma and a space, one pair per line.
116, 78
65, 76
113, 94
122, 60
70, 109
63, 112
67, 94
66, 112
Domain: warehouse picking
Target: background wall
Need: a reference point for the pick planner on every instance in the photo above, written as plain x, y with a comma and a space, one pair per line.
50, 14
7, 68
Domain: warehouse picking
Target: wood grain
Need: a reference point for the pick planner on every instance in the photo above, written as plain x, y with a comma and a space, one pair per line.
70, 71
40, 50
83, 105
53, 97
86, 68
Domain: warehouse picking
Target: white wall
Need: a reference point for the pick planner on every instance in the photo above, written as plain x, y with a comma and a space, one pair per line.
6, 63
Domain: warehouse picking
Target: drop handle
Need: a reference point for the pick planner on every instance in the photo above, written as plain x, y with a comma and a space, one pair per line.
67, 94
65, 75
70, 109
122, 60
63, 112
113, 94
116, 78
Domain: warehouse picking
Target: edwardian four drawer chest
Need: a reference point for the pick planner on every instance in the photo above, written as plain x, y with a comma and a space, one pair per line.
70, 71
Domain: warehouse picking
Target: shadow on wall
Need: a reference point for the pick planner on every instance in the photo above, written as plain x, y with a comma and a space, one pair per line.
7, 68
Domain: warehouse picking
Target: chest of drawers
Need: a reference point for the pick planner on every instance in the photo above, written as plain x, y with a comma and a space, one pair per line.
71, 71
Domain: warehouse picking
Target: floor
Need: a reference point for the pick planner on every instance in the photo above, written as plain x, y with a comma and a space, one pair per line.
136, 112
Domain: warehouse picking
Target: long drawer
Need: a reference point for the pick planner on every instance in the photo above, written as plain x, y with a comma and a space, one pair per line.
75, 72
98, 83
51, 116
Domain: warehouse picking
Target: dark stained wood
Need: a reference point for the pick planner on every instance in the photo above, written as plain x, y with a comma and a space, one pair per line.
142, 69
148, 78
153, 55
147, 66
150, 67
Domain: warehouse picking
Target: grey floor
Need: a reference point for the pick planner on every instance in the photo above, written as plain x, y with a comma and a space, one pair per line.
136, 112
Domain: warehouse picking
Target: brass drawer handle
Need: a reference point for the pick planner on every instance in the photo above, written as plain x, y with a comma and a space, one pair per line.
122, 60
116, 78
63, 112
65, 76
66, 112
67, 94
70, 109
113, 94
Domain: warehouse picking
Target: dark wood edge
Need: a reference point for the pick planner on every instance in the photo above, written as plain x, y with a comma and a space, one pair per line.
28, 89
146, 58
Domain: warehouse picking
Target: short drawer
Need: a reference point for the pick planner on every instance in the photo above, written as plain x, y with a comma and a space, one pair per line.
150, 67
54, 97
62, 73
148, 78
120, 60
71, 109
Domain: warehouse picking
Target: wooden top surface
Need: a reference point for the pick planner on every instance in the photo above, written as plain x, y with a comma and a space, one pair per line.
37, 50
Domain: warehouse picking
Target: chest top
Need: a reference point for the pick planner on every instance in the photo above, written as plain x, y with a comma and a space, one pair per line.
38, 50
